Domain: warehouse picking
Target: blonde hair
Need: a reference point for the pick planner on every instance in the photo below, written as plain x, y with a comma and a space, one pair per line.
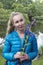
10, 26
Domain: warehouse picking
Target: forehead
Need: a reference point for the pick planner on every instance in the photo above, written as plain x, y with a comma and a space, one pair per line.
17, 17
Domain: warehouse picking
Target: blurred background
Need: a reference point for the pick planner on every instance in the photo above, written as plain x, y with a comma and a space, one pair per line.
33, 13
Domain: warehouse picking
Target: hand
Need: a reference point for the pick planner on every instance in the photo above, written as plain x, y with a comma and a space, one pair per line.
17, 55
24, 57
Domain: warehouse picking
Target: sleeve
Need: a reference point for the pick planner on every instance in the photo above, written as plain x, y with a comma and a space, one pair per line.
6, 50
34, 51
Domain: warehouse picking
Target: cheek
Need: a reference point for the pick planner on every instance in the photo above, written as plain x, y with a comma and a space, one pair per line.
16, 25
23, 22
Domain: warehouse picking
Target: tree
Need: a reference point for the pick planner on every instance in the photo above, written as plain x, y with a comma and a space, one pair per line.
1, 5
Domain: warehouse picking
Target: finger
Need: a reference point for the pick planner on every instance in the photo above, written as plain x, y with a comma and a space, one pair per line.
22, 59
18, 53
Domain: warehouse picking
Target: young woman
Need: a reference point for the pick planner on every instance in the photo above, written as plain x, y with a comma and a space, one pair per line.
14, 42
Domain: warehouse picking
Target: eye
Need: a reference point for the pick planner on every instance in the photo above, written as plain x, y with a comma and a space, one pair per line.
21, 20
17, 21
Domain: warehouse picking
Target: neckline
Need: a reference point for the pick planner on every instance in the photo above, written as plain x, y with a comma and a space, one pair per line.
19, 36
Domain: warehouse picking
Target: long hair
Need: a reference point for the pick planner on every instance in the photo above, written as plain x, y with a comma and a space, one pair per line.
10, 26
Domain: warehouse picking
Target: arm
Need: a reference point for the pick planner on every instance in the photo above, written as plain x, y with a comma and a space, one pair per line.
6, 50
34, 51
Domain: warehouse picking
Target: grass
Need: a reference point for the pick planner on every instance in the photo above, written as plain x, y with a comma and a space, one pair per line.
39, 61
2, 60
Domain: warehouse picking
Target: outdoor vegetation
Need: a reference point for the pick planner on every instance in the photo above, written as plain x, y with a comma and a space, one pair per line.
27, 7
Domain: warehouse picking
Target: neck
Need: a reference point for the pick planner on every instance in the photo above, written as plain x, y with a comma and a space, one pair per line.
20, 32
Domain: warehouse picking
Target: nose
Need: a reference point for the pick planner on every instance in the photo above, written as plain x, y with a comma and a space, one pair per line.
20, 23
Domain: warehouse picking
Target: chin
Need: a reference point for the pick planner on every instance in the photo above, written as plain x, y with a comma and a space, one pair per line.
21, 29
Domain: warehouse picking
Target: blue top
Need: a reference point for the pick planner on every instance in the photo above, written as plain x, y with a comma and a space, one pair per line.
13, 44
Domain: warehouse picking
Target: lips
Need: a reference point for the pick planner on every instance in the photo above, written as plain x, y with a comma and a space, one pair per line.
21, 26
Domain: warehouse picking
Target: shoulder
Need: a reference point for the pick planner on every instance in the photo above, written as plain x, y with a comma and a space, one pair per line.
32, 35
10, 35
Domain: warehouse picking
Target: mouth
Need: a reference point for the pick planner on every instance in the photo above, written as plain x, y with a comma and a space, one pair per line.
21, 26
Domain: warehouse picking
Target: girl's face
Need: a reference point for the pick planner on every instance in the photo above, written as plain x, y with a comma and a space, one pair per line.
19, 22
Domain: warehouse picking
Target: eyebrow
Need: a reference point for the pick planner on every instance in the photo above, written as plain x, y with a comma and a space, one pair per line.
19, 20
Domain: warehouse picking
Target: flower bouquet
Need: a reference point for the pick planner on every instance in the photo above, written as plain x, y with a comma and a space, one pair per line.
25, 45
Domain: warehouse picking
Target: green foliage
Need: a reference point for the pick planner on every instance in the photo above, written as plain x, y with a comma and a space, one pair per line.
1, 49
4, 17
32, 9
27, 7
1, 5
39, 17
39, 8
2, 60
17, 7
